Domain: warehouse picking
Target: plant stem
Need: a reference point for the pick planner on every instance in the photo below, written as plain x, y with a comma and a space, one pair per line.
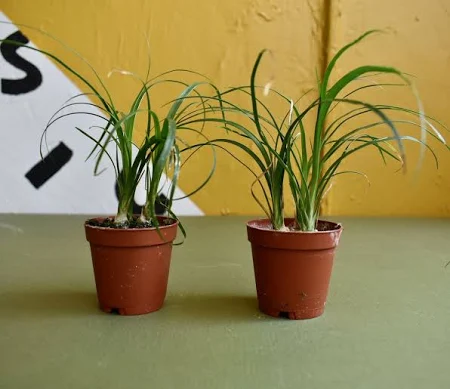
142, 217
278, 215
121, 218
310, 224
122, 214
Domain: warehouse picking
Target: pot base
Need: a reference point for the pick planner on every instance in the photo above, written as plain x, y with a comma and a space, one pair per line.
293, 315
129, 311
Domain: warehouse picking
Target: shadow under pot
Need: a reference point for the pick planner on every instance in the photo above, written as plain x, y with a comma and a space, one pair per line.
292, 268
131, 266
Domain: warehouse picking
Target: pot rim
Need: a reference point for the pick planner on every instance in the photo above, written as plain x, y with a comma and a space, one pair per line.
86, 225
251, 224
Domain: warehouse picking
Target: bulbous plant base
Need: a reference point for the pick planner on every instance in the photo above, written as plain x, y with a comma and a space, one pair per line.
131, 266
293, 268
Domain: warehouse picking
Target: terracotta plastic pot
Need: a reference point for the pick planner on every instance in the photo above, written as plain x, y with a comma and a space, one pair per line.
131, 266
292, 269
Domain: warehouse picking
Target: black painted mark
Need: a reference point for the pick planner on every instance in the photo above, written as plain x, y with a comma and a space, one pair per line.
49, 166
33, 78
160, 204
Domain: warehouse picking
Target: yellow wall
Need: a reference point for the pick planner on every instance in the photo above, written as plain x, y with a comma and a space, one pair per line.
222, 38
419, 44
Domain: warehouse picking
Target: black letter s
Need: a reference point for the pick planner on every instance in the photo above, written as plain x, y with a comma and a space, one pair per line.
33, 78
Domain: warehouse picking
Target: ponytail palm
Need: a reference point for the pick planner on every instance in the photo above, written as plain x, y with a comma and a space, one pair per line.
281, 148
158, 153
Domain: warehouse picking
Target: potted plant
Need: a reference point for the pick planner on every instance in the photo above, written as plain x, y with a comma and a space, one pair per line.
293, 256
131, 253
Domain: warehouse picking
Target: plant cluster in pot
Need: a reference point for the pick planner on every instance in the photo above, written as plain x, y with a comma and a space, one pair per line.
293, 257
131, 253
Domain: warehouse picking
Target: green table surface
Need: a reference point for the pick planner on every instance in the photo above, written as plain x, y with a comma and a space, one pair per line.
386, 324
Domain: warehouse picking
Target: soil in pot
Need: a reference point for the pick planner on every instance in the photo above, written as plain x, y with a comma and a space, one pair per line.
292, 268
131, 265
